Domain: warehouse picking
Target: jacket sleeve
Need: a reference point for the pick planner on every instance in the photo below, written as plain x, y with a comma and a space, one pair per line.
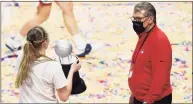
161, 59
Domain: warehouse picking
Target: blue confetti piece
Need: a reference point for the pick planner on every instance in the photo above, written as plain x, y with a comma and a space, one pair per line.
102, 62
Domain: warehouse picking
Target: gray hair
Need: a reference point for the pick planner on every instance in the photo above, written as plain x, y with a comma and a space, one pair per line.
148, 7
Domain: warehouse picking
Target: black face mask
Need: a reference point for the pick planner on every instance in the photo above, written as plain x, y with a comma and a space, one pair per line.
138, 27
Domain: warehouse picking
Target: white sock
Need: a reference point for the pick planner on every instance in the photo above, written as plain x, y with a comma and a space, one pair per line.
80, 42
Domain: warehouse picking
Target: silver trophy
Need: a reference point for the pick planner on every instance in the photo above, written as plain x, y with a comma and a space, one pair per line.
63, 50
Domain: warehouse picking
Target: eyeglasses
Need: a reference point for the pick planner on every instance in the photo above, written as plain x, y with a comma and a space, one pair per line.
137, 18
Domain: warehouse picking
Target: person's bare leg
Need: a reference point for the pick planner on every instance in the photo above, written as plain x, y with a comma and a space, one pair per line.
43, 11
68, 17
69, 20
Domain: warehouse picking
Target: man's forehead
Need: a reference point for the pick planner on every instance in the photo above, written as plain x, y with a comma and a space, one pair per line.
139, 13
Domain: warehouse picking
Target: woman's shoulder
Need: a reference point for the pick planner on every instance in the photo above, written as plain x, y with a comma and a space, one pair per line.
51, 66
54, 63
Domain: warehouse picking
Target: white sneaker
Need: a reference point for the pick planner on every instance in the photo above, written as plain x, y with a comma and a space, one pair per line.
14, 43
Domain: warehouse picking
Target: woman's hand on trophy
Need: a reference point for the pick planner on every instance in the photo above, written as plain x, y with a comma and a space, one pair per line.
75, 66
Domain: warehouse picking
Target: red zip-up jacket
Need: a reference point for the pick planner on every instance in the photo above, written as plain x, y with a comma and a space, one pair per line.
150, 79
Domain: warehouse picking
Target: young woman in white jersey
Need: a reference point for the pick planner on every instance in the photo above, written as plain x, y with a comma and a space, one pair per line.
43, 11
39, 76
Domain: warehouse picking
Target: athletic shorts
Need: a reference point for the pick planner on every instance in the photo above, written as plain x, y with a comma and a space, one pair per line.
45, 2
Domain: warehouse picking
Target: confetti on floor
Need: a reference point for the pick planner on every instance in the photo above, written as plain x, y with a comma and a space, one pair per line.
108, 25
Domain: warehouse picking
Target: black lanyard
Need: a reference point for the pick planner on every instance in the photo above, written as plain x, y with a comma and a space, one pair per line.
135, 57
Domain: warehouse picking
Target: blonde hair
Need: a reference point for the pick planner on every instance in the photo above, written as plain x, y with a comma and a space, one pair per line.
35, 37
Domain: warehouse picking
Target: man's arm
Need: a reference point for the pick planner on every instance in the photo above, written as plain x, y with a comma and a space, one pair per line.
161, 58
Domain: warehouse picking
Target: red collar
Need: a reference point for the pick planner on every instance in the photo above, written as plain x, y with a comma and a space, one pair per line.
143, 35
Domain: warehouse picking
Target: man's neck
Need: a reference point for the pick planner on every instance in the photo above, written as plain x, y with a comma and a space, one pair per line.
150, 27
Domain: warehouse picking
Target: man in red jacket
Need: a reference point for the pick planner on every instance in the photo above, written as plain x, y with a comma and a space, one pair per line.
149, 75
